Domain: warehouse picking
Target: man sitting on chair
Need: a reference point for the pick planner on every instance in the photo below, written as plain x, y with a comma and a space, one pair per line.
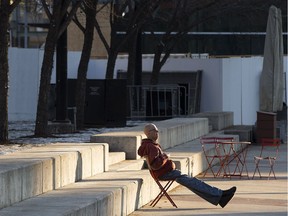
164, 169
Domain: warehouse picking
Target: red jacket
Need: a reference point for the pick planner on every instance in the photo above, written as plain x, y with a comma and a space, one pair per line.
157, 159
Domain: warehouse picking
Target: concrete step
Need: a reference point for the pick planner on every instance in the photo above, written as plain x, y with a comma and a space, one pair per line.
111, 193
100, 195
218, 120
78, 178
128, 165
116, 157
119, 191
172, 132
245, 132
38, 170
35, 171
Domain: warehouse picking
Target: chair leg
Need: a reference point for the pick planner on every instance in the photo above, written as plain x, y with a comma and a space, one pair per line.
210, 167
256, 169
224, 165
271, 163
271, 169
163, 192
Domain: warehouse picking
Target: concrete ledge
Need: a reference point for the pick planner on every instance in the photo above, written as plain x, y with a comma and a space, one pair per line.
182, 163
121, 141
108, 194
172, 132
245, 132
128, 165
218, 120
119, 191
35, 171
116, 157
101, 190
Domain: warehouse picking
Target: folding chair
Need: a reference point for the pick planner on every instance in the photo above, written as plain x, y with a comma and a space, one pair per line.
163, 188
214, 150
269, 153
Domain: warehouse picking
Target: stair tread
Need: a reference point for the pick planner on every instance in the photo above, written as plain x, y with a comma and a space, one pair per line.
66, 199
116, 157
127, 165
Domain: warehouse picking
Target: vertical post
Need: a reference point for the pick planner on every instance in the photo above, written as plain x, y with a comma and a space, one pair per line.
25, 26
61, 78
138, 53
138, 70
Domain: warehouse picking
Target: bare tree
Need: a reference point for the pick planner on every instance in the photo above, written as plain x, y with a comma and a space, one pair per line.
114, 47
131, 15
89, 8
6, 8
177, 26
175, 15
57, 11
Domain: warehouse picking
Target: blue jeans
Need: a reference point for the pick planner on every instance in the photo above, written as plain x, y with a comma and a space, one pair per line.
207, 192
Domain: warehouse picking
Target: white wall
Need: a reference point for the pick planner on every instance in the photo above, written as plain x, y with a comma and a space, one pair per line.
23, 83
241, 88
229, 84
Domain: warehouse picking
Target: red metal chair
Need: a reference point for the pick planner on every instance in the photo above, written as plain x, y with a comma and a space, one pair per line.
214, 150
267, 157
163, 188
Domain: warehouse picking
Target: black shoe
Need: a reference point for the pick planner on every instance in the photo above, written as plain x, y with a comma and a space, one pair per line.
227, 196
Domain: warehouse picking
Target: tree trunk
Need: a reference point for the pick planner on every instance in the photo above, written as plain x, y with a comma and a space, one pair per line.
56, 28
41, 127
156, 66
134, 72
4, 69
131, 63
80, 96
112, 55
111, 64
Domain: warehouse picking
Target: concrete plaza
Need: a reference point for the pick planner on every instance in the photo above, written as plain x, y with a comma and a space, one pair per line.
253, 196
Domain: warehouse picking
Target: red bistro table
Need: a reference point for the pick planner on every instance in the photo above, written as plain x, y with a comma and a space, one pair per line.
237, 156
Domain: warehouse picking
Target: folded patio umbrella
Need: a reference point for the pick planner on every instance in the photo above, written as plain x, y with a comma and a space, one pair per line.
272, 76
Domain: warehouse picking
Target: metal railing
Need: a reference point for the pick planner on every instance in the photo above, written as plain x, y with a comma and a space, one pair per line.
157, 101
